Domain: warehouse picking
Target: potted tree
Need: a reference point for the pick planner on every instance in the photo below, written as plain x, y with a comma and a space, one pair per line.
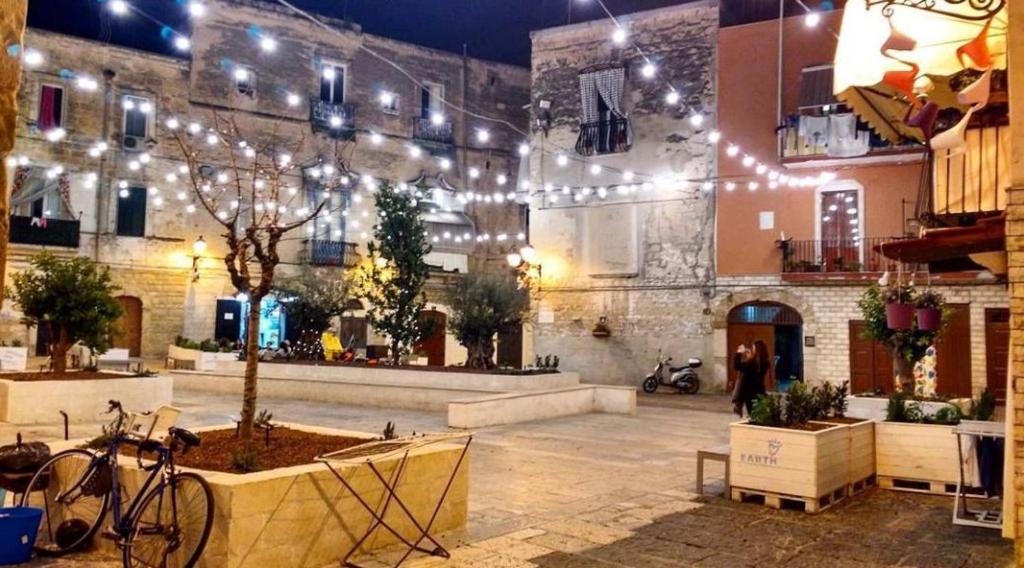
482, 305
832, 402
929, 305
907, 345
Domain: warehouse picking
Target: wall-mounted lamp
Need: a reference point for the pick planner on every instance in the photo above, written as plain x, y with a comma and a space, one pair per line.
198, 248
527, 268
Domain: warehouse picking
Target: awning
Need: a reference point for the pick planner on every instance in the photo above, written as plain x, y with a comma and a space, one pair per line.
946, 244
938, 29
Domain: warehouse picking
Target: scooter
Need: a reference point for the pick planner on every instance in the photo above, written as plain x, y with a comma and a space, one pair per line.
683, 378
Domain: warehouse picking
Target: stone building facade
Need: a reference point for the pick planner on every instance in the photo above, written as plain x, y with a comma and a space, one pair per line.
623, 232
284, 91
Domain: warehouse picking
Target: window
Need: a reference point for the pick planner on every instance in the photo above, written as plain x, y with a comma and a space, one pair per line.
131, 212
393, 105
816, 87
37, 193
137, 111
332, 83
245, 80
839, 227
604, 128
51, 107
329, 226
431, 99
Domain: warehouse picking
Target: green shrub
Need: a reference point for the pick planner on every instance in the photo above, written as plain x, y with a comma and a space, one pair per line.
801, 405
896, 409
839, 399
767, 410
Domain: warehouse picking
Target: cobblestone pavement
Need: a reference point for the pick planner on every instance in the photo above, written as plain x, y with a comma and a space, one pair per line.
611, 491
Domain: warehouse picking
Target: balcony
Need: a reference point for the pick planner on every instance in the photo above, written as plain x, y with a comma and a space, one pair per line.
847, 259
604, 137
338, 121
320, 252
55, 233
833, 139
438, 138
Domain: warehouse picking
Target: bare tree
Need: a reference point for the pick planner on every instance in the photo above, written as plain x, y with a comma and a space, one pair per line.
255, 189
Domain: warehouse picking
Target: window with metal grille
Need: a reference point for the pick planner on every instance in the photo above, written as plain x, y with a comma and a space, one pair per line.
136, 116
332, 83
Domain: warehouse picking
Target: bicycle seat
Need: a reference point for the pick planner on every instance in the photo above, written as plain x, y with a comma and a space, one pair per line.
187, 438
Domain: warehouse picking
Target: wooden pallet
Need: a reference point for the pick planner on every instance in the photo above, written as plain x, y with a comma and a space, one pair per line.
858, 487
781, 501
922, 486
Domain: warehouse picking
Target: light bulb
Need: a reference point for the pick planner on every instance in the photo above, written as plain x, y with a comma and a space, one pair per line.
812, 19
436, 118
752, 186
595, 169
182, 43
619, 36
696, 119
627, 175
415, 151
648, 70
729, 186
672, 97
172, 123
292, 99
329, 73
714, 136
474, 173
444, 164
196, 9
376, 139
241, 74
119, 7
32, 58
482, 135
562, 160
524, 149
334, 121
386, 98
268, 44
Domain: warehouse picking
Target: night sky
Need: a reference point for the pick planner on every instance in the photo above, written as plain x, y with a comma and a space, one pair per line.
491, 29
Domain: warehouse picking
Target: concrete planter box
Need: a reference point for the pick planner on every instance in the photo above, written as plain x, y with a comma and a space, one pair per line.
861, 439
201, 360
781, 464
873, 408
916, 457
13, 358
36, 402
302, 516
527, 406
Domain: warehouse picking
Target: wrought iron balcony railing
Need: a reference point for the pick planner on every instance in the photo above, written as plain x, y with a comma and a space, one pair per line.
832, 256
424, 130
806, 137
338, 121
604, 137
44, 232
321, 252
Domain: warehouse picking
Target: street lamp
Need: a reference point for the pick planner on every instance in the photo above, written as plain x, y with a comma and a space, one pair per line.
198, 248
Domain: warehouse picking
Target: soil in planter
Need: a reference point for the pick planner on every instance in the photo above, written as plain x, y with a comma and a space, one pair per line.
843, 420
288, 447
807, 427
65, 376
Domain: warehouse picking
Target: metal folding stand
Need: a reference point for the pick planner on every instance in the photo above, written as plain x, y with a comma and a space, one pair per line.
962, 514
373, 453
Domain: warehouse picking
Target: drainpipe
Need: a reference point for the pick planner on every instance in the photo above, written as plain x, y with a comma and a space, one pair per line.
778, 84
104, 183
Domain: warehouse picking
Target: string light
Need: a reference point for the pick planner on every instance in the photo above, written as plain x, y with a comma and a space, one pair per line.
292, 99
119, 7
196, 9
524, 149
812, 19
268, 44
672, 97
182, 43
482, 135
32, 58
376, 139
436, 118
619, 36
562, 160
648, 70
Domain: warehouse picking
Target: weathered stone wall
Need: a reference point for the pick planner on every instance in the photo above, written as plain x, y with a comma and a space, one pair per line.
642, 261
196, 87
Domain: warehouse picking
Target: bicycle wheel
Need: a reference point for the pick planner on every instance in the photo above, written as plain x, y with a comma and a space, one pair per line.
73, 496
172, 535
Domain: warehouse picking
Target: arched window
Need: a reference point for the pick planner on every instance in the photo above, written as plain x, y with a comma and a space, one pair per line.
772, 313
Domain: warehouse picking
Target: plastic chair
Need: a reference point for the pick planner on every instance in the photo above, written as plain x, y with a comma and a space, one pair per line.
332, 346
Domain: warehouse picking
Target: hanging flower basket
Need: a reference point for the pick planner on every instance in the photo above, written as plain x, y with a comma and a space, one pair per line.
929, 319
929, 310
899, 316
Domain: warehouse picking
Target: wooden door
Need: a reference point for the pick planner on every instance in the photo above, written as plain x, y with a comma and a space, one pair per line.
997, 350
953, 354
870, 362
510, 348
747, 334
433, 345
130, 325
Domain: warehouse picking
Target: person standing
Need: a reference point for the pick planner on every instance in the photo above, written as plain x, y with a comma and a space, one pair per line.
752, 365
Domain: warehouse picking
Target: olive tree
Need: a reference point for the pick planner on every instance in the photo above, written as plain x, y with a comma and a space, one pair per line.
482, 305
72, 299
311, 299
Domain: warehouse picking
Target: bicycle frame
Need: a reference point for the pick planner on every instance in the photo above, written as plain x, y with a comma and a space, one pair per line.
156, 480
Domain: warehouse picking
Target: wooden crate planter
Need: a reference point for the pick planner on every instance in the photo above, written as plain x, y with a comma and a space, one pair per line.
782, 465
861, 444
916, 457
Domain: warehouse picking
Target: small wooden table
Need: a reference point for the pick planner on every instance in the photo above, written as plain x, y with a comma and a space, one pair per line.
716, 453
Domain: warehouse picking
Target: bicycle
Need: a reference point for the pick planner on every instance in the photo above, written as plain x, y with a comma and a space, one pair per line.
167, 523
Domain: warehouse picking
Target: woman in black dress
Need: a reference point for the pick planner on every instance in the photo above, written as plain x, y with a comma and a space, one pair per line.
752, 365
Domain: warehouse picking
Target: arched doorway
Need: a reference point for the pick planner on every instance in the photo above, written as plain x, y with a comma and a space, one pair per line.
433, 344
781, 329
130, 324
